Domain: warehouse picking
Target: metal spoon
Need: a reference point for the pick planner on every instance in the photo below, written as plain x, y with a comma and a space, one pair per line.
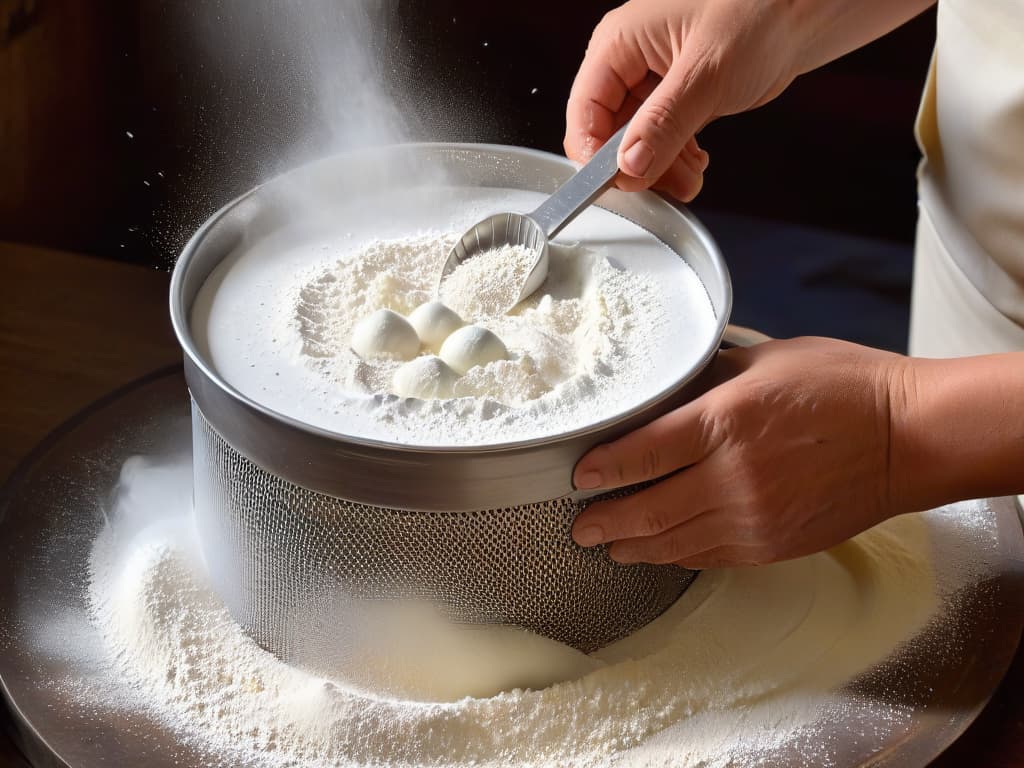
534, 230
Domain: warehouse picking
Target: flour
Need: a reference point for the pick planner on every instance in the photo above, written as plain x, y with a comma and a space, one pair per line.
397, 275
488, 284
744, 662
619, 319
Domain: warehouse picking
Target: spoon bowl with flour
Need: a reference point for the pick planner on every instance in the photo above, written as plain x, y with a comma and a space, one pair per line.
522, 239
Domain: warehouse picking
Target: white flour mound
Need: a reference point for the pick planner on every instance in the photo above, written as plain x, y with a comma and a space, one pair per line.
619, 319
566, 333
569, 342
488, 284
744, 661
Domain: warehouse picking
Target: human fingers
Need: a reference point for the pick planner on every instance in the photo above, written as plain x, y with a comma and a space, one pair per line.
670, 442
722, 557
688, 520
597, 106
686, 543
666, 121
684, 178
647, 512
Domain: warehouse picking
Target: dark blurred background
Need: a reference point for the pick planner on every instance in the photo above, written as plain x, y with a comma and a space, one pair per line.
125, 123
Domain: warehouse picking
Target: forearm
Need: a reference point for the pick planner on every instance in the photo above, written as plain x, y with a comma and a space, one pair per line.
957, 430
832, 28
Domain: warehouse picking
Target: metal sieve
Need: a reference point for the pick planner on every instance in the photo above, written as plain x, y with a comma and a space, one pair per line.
296, 522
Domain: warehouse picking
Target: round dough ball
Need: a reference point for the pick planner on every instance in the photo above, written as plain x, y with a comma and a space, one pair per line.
425, 378
435, 322
471, 346
385, 334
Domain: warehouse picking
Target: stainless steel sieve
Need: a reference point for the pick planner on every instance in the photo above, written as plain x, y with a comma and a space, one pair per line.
297, 522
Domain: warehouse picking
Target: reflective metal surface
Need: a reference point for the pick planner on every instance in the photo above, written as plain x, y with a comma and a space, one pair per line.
386, 474
499, 230
62, 694
534, 230
295, 506
291, 560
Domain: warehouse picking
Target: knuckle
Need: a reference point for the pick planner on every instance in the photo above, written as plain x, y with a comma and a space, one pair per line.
716, 422
607, 30
661, 116
750, 527
609, 21
672, 549
650, 520
651, 463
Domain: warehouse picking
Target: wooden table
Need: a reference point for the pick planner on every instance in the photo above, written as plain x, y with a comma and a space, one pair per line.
72, 328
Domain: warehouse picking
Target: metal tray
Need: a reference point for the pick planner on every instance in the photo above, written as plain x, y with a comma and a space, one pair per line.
51, 510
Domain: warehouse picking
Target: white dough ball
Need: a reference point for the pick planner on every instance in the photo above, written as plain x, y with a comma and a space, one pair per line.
471, 346
435, 322
425, 378
385, 334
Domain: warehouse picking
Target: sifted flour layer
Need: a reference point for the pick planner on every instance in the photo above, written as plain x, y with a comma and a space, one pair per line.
619, 320
566, 338
743, 663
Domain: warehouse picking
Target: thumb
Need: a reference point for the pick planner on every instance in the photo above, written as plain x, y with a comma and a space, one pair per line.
676, 109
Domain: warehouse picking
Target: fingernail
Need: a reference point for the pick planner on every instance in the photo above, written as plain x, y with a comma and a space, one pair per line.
591, 478
588, 535
636, 160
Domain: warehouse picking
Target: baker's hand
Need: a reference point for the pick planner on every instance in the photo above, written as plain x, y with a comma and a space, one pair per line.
787, 457
676, 64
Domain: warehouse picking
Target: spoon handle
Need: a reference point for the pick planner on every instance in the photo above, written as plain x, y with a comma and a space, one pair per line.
581, 189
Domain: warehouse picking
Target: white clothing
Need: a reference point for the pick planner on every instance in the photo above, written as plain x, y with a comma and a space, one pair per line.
969, 259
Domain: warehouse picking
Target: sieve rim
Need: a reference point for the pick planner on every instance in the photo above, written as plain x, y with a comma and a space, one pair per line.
180, 310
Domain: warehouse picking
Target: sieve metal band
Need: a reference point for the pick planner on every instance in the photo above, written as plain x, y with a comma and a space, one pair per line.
408, 477
405, 477
292, 565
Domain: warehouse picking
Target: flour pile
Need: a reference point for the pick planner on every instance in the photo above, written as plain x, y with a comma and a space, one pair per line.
566, 334
744, 662
488, 284
318, 325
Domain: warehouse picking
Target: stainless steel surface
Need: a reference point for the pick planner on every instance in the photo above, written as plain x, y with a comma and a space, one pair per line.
740, 336
288, 500
534, 230
290, 561
495, 231
422, 478
66, 699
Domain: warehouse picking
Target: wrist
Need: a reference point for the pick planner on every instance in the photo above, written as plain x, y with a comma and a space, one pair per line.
956, 430
905, 448
825, 30
805, 28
